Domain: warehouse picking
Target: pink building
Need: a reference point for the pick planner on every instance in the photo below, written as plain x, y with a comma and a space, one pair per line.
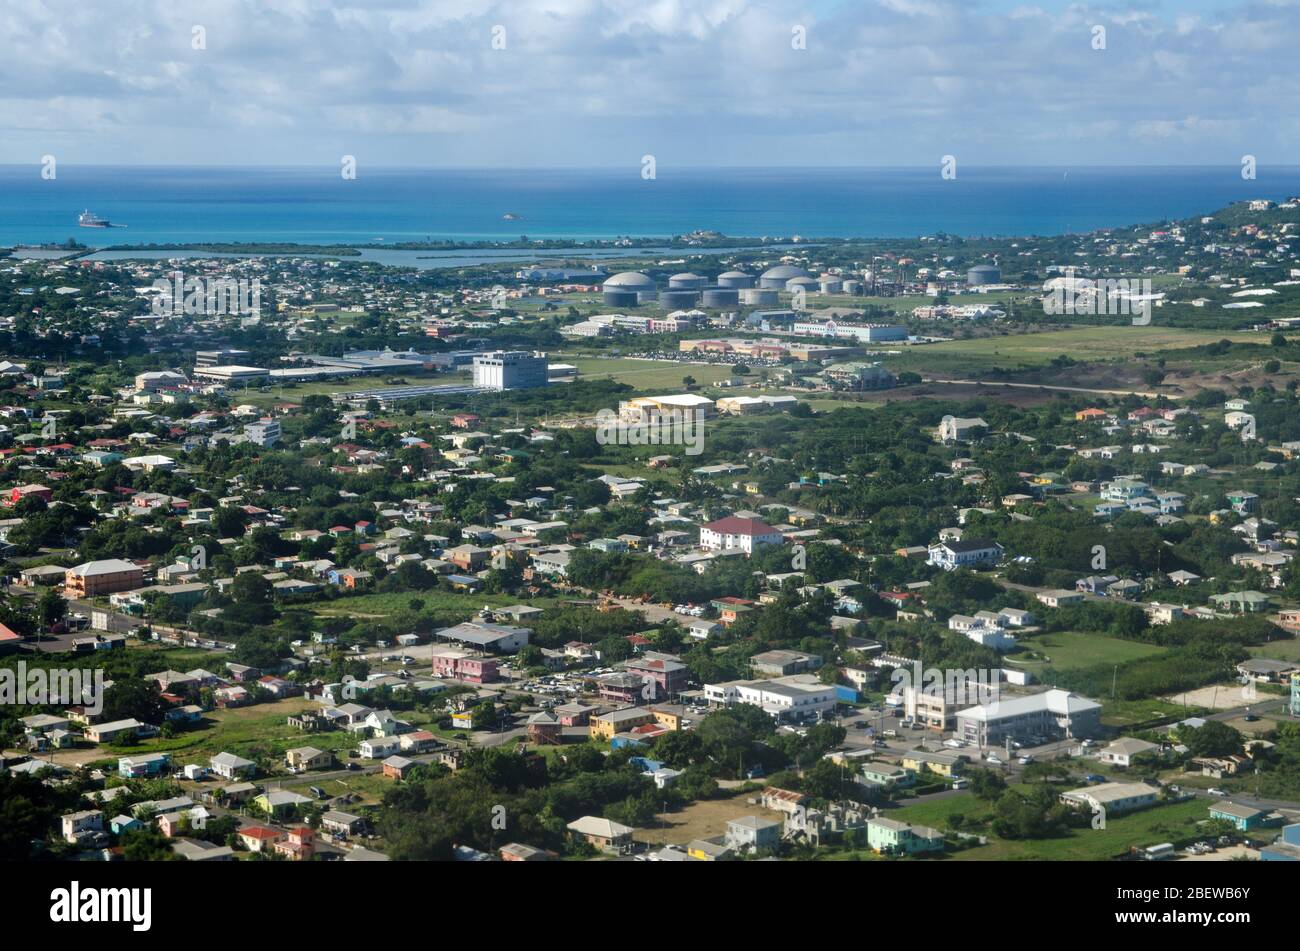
460, 665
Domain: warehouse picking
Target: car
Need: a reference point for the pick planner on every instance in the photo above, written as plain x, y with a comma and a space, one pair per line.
1088, 744
1094, 778
953, 744
1216, 791
353, 754
992, 759
1251, 717
352, 767
1025, 760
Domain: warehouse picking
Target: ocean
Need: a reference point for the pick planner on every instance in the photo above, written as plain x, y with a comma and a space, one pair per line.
318, 206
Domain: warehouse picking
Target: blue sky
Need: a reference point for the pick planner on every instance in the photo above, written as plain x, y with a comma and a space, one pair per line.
691, 82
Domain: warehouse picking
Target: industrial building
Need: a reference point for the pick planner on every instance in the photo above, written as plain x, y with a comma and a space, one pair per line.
735, 280
776, 278
629, 289
1051, 715
649, 409
510, 370
782, 698
862, 333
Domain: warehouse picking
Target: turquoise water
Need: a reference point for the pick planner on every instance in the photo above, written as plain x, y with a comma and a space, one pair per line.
316, 205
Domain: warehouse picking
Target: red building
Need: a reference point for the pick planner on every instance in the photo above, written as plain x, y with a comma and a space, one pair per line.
20, 492
544, 727
669, 676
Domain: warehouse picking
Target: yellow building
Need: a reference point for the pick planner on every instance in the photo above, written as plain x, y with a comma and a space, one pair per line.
606, 725
669, 718
941, 764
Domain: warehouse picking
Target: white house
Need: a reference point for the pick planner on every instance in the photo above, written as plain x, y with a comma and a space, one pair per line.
230, 766
965, 553
1122, 751
380, 747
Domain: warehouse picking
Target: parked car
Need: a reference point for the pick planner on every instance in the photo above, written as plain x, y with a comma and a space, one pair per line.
1216, 791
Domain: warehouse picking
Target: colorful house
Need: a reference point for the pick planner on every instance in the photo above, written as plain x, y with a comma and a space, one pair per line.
891, 837
1244, 818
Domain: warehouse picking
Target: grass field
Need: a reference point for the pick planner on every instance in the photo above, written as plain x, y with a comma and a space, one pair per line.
383, 605
1070, 650
1287, 650
370, 786
1166, 823
1125, 713
644, 374
257, 731
1023, 351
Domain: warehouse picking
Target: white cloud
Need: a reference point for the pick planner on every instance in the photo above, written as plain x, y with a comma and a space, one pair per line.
598, 81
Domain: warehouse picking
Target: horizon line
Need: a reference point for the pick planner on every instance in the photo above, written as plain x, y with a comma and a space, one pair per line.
635, 165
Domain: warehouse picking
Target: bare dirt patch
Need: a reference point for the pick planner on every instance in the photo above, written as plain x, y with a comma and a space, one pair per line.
701, 820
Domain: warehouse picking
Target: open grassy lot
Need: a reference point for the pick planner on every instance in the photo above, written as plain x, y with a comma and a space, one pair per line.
644, 374
1069, 650
1125, 713
1022, 351
1174, 822
256, 731
180, 658
383, 605
1287, 650
370, 786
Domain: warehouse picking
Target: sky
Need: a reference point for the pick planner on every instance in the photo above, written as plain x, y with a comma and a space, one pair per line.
580, 83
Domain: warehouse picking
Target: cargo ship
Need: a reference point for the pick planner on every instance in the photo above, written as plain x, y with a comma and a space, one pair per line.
88, 219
